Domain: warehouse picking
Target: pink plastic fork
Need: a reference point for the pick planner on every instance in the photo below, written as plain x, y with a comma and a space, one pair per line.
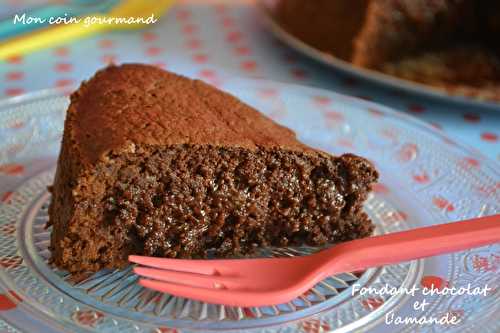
269, 281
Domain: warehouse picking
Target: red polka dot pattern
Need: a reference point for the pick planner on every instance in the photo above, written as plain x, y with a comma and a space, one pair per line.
61, 51
443, 204
421, 178
149, 36
11, 92
183, 14
63, 82
11, 169
248, 66
107, 59
189, 29
14, 76
194, 44
380, 188
227, 22
6, 197
322, 100
160, 64
242, 51
268, 92
207, 73
166, 330
416, 108
63, 67
200, 58
154, 51
16, 59
222, 36
408, 152
472, 117
333, 116
489, 137
9, 301
471, 162
433, 282
106, 43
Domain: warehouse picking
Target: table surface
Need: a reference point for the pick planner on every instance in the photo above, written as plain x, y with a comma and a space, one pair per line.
214, 39
210, 39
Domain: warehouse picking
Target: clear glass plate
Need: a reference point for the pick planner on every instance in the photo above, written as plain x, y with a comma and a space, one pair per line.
426, 179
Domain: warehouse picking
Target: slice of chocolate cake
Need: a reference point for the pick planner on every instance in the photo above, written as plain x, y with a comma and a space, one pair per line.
448, 44
157, 164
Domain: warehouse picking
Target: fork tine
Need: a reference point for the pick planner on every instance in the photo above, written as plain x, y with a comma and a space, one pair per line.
191, 279
180, 265
210, 295
219, 296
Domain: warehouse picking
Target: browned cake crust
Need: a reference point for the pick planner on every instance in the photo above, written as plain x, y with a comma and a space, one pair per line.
395, 29
154, 163
328, 25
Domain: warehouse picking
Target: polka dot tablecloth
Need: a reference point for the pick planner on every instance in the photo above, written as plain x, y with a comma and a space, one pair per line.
211, 39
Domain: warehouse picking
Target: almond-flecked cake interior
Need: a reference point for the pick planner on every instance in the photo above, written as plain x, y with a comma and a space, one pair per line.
180, 201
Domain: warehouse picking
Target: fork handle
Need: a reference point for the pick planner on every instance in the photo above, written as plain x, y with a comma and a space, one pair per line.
413, 244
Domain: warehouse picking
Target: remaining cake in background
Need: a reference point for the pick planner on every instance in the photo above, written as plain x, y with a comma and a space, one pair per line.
449, 44
157, 164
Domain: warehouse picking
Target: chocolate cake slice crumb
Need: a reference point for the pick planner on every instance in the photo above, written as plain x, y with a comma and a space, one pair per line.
157, 164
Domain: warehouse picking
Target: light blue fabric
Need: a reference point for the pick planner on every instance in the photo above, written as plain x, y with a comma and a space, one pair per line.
233, 41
